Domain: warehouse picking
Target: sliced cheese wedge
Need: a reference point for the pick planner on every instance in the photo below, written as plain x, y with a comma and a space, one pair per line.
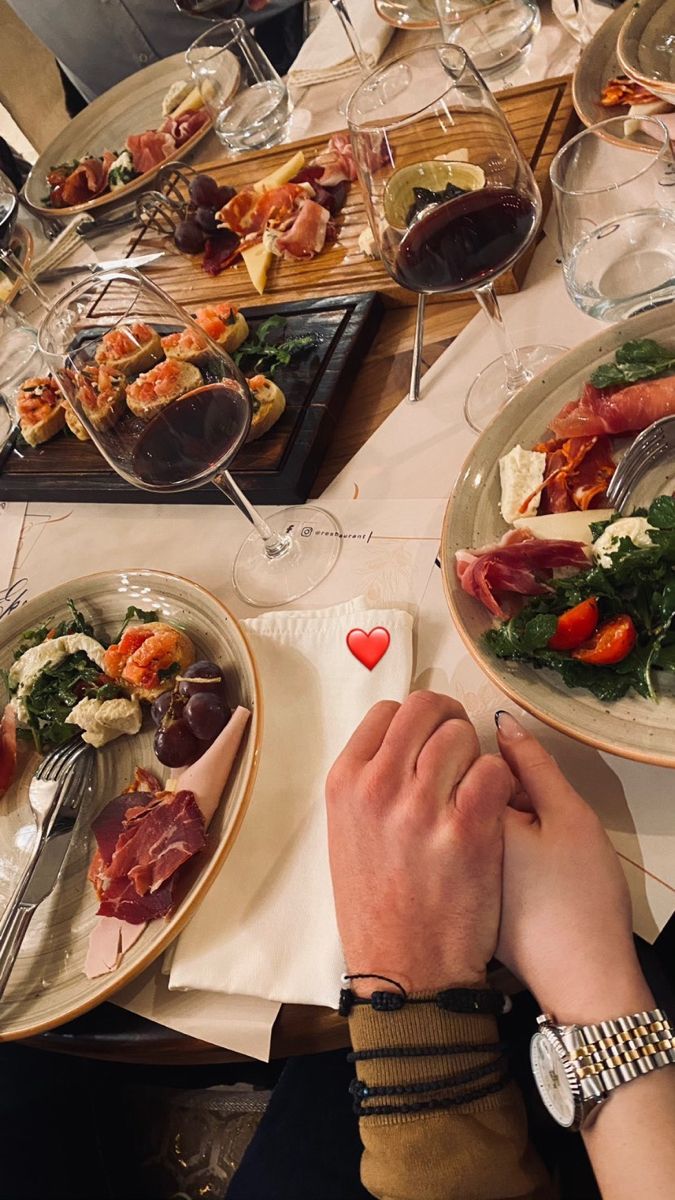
569, 526
257, 261
282, 174
192, 103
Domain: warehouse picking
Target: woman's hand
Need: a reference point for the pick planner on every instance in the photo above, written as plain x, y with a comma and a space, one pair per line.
566, 928
415, 820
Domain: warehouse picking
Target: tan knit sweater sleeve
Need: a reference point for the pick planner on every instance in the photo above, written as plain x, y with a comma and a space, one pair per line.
476, 1151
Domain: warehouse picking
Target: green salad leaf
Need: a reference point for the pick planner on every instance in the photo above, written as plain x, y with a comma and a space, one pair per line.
260, 354
639, 582
636, 360
145, 616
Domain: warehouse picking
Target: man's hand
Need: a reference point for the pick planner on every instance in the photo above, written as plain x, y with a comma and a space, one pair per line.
415, 822
566, 918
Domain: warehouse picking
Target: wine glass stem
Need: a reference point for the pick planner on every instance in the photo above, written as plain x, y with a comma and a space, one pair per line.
275, 544
348, 26
14, 265
516, 374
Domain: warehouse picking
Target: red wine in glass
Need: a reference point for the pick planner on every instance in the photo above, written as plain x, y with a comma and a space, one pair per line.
464, 241
189, 437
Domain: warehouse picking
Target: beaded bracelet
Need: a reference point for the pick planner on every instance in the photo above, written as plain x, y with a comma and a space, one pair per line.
360, 1090
427, 1051
417, 1106
458, 1000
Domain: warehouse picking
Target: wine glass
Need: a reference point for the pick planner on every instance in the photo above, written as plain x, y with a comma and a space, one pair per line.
450, 197
614, 192
168, 424
9, 207
496, 34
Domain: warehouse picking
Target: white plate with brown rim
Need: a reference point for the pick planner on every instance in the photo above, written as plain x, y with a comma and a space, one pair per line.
632, 727
48, 985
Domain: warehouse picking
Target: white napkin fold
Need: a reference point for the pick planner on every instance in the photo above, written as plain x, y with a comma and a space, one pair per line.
327, 53
267, 927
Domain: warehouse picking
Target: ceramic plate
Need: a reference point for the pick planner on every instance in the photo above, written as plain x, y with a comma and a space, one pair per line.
22, 245
48, 985
597, 65
132, 106
632, 727
408, 14
646, 46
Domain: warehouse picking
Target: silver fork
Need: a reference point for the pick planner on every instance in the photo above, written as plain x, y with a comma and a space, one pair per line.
43, 794
75, 781
654, 443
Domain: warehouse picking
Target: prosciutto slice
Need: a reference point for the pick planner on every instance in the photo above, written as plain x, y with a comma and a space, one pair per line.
149, 149
616, 410
7, 748
252, 212
185, 126
578, 472
89, 179
336, 161
307, 234
519, 564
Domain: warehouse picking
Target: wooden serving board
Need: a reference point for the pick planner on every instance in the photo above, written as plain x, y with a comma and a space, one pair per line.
279, 468
541, 116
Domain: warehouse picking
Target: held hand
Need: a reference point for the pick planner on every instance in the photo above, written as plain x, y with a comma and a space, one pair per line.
566, 928
415, 822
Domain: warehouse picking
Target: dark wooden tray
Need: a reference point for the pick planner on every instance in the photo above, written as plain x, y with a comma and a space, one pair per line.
278, 469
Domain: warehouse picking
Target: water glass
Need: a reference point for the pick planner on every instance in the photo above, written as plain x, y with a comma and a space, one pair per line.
614, 189
496, 34
240, 88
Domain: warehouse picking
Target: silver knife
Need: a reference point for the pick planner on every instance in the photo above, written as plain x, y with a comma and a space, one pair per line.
109, 264
49, 862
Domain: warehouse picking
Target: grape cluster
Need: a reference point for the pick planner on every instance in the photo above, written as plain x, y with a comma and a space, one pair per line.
190, 717
199, 218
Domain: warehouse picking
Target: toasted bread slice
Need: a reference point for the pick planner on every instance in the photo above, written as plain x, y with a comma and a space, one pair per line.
185, 345
101, 393
74, 423
269, 403
155, 389
130, 349
224, 323
148, 657
40, 408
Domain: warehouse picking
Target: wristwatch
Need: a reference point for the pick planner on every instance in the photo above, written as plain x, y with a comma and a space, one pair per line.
577, 1067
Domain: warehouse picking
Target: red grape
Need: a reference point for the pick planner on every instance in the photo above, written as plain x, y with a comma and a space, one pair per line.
204, 191
206, 219
201, 677
160, 706
189, 237
176, 745
225, 193
206, 715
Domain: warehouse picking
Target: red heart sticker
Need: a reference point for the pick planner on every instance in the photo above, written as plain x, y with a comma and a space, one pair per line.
369, 648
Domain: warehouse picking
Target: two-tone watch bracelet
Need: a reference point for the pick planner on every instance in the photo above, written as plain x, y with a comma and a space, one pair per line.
614, 1052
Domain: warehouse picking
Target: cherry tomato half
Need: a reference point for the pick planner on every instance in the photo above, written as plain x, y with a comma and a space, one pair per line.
576, 625
611, 643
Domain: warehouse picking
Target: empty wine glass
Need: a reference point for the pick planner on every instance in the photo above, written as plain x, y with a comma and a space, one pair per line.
174, 423
451, 200
9, 207
614, 191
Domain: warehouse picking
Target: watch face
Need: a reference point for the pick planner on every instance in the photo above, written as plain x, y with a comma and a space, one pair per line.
549, 1074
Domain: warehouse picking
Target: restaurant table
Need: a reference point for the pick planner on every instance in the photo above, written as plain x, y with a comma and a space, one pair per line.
109, 1032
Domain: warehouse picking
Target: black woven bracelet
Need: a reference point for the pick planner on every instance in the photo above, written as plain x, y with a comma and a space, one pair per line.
426, 1051
458, 1000
468, 1097
361, 1090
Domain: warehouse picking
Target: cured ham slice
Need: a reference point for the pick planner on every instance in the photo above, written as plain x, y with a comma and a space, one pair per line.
7, 748
89, 179
336, 161
252, 212
307, 234
616, 410
149, 149
519, 564
577, 475
185, 126
144, 837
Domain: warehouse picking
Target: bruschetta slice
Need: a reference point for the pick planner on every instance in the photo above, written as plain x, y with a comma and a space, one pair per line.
74, 423
101, 395
155, 389
269, 403
40, 408
130, 348
186, 345
224, 323
148, 657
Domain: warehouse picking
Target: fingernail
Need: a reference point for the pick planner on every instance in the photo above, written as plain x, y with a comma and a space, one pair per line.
507, 725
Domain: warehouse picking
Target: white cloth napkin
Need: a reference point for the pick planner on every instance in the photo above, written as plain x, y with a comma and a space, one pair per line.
267, 927
327, 53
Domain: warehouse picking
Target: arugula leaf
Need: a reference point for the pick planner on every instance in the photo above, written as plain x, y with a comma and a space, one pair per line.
538, 632
661, 513
642, 358
141, 614
168, 672
665, 659
268, 355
